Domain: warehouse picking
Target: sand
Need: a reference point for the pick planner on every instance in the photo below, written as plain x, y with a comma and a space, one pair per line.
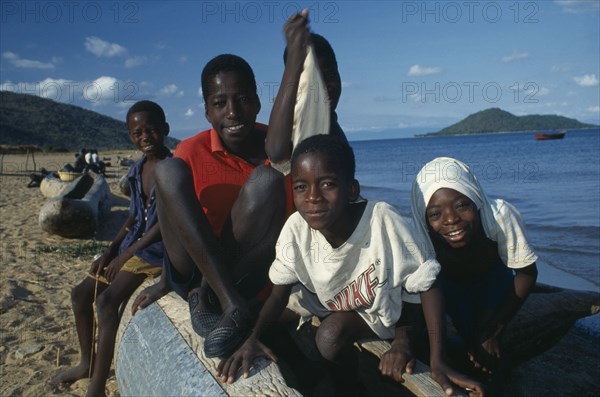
38, 335
37, 328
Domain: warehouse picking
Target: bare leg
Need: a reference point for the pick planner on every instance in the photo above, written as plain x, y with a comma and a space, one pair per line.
254, 226
187, 235
82, 300
335, 338
107, 307
189, 238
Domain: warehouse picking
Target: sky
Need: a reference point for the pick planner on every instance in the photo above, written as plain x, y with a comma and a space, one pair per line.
407, 67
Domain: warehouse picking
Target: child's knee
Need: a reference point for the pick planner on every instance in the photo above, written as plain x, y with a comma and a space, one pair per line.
170, 171
330, 340
265, 182
81, 294
106, 306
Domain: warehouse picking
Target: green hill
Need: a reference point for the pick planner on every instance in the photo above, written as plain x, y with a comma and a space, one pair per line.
498, 120
32, 120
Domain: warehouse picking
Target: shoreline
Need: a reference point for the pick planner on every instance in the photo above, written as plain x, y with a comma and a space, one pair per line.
434, 134
39, 336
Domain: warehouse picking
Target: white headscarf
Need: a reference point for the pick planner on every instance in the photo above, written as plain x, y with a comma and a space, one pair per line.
501, 221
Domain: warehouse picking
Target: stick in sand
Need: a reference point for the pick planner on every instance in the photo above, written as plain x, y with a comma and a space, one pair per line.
94, 324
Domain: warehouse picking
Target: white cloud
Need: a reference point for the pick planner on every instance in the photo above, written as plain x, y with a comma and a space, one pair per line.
416, 70
102, 90
170, 90
587, 80
103, 48
578, 6
54, 88
594, 109
346, 84
559, 69
189, 113
19, 62
135, 61
535, 90
514, 57
183, 59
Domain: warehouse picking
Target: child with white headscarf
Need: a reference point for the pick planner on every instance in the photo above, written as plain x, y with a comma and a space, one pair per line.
488, 266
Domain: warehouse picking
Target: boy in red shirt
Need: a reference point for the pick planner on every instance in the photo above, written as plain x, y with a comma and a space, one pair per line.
221, 207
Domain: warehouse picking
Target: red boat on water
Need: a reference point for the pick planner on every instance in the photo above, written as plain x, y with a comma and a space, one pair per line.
554, 135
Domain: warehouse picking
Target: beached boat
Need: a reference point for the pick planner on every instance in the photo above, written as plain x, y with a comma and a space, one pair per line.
548, 136
75, 208
159, 343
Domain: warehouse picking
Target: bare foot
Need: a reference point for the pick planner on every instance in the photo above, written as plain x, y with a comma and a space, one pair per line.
95, 392
70, 375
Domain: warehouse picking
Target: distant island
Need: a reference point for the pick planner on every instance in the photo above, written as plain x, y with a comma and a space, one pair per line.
53, 126
497, 120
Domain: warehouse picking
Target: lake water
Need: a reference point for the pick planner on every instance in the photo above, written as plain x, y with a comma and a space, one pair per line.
555, 185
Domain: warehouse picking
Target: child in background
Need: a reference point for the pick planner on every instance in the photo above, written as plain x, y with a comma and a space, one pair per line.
308, 95
136, 253
488, 266
354, 264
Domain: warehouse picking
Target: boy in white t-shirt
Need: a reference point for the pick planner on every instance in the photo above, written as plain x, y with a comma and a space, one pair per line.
351, 263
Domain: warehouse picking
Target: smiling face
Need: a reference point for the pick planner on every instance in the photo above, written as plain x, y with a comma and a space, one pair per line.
453, 217
147, 133
231, 108
322, 195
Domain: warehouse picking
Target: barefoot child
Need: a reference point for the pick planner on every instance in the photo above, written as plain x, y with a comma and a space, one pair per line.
135, 254
354, 264
488, 266
221, 208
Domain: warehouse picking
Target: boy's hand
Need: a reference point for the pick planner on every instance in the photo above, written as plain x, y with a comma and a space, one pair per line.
487, 355
297, 36
99, 264
445, 376
110, 271
243, 358
396, 360
147, 296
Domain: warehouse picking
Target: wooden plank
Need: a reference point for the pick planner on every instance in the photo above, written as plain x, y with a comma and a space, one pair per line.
420, 383
158, 353
154, 360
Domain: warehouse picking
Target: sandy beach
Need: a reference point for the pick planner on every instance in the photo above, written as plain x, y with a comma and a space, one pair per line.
38, 335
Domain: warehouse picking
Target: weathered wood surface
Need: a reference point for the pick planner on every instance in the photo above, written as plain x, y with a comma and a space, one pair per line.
78, 209
545, 317
420, 383
124, 186
52, 186
158, 354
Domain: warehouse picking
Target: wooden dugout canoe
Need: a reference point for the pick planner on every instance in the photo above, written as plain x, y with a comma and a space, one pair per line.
76, 209
157, 353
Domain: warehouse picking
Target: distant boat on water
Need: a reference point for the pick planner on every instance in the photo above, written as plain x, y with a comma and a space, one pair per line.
548, 136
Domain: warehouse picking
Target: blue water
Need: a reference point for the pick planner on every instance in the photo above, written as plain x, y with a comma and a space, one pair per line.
555, 185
